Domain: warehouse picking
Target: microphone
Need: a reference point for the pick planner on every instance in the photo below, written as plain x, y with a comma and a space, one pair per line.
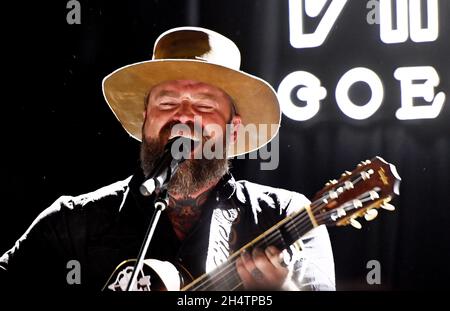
167, 164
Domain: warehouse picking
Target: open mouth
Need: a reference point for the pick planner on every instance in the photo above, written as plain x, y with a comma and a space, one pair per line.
186, 135
194, 150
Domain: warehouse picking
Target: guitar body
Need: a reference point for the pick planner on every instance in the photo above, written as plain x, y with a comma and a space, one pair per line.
156, 275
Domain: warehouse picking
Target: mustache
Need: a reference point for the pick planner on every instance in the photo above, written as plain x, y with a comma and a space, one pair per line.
191, 176
196, 131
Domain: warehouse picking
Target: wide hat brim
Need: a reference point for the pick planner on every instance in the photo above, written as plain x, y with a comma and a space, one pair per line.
256, 102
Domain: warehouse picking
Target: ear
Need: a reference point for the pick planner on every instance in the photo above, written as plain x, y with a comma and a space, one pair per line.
236, 123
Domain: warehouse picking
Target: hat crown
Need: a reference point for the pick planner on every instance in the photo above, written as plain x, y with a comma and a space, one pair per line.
197, 44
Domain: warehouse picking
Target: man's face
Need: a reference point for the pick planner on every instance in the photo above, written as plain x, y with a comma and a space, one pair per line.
198, 107
186, 102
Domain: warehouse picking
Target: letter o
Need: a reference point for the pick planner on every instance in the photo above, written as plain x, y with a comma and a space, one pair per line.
347, 80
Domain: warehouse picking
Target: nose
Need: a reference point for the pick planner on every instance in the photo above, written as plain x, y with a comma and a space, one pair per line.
185, 113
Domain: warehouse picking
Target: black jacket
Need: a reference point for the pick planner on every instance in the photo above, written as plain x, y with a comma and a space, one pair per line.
95, 232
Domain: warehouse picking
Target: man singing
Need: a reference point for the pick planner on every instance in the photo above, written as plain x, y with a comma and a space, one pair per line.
191, 88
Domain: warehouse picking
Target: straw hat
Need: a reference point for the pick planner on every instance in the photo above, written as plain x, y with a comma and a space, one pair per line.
193, 53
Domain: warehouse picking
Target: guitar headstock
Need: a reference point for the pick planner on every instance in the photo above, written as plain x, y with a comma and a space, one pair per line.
358, 193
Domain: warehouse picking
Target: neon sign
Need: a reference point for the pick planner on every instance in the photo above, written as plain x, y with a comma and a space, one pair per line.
311, 92
415, 82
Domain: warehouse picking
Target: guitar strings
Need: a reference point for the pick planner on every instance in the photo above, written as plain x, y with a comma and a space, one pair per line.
228, 268
289, 228
223, 274
227, 272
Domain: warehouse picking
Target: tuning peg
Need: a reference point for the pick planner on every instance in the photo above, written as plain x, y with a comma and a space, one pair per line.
366, 162
365, 175
373, 195
357, 203
333, 194
346, 173
348, 185
388, 207
370, 214
355, 223
331, 182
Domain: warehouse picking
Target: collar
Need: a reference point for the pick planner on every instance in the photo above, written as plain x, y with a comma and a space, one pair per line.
225, 189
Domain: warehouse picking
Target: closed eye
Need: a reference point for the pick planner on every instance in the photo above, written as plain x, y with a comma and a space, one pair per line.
204, 108
167, 105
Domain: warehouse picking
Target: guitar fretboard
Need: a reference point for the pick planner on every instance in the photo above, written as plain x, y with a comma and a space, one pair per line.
282, 235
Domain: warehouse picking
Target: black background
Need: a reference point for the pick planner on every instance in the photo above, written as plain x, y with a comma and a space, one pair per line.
61, 138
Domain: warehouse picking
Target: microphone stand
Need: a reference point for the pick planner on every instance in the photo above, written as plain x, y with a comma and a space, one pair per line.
161, 202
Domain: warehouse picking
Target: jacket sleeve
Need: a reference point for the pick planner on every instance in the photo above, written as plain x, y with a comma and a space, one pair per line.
34, 262
311, 262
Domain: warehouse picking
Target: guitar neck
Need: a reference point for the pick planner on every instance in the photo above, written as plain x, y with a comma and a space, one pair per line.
360, 192
373, 184
282, 235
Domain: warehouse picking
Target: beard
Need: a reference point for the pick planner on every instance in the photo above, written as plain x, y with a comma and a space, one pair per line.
192, 174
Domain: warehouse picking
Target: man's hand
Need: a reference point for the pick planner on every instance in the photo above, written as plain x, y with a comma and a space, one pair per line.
262, 269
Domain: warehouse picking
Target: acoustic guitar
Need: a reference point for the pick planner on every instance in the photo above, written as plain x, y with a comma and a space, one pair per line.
373, 184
